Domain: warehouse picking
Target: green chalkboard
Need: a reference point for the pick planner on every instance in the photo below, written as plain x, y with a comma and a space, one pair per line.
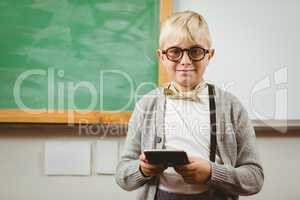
77, 54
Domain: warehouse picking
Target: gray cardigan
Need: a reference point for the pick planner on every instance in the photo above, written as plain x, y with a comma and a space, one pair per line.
240, 171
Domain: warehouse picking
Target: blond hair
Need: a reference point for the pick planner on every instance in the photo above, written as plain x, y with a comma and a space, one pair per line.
182, 26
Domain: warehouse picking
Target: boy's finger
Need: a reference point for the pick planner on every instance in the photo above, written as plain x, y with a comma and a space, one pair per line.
189, 181
180, 167
189, 174
147, 166
143, 157
163, 167
160, 166
147, 169
179, 171
190, 167
192, 159
152, 167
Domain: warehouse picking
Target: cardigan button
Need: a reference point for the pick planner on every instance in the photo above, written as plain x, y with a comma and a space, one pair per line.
157, 139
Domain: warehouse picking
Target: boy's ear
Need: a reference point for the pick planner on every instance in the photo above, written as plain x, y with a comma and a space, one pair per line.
211, 53
159, 54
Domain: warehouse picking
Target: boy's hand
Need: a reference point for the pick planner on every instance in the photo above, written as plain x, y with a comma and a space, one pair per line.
149, 169
198, 171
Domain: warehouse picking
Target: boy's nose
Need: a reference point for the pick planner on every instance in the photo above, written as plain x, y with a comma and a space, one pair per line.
185, 60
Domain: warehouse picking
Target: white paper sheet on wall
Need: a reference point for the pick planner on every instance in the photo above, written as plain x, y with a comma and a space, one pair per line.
67, 158
106, 156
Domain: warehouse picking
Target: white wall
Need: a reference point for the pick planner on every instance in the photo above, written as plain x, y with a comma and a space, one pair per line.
281, 167
257, 49
22, 178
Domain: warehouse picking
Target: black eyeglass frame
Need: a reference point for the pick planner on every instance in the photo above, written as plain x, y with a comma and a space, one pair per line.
206, 51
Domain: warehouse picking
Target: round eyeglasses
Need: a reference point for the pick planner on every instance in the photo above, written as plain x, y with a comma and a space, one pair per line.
195, 53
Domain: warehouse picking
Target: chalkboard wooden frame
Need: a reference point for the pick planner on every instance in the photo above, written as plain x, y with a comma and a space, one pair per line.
63, 117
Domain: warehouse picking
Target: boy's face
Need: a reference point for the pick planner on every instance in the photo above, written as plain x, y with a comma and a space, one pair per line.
186, 72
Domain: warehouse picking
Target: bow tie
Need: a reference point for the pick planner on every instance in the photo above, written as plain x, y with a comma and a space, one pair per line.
173, 93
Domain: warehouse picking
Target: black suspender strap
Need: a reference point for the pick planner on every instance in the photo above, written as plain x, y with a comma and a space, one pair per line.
213, 127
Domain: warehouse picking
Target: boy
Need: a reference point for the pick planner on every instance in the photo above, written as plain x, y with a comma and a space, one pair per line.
189, 114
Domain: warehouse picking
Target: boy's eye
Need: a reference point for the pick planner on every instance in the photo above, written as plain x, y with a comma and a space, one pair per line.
196, 52
174, 52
